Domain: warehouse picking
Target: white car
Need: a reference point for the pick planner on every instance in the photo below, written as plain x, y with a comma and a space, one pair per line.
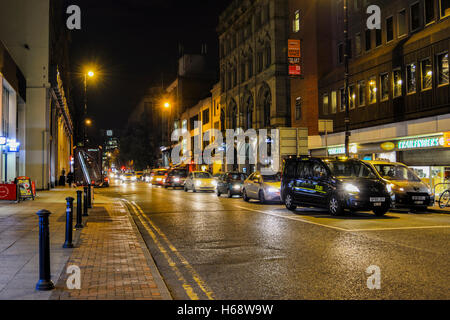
200, 181
262, 187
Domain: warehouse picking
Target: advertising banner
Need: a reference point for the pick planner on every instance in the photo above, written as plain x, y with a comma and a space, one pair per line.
25, 187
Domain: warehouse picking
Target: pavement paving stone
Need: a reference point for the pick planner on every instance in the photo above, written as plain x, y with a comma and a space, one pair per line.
113, 260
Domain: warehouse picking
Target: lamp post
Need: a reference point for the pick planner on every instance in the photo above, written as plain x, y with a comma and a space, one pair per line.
89, 74
167, 106
346, 74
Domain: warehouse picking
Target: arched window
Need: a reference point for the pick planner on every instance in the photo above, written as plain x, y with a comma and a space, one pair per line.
248, 106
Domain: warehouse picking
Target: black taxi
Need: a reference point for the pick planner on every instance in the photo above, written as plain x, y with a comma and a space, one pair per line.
334, 183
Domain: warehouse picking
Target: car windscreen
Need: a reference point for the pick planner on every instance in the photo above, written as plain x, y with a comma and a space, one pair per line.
236, 176
396, 172
272, 178
179, 173
202, 175
350, 169
160, 172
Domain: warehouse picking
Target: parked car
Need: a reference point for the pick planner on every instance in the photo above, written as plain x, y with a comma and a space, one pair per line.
230, 183
139, 175
158, 176
410, 192
262, 187
176, 178
334, 183
200, 181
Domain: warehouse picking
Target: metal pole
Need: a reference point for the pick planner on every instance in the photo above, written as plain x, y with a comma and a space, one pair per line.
45, 283
85, 109
69, 222
85, 207
90, 196
79, 224
346, 62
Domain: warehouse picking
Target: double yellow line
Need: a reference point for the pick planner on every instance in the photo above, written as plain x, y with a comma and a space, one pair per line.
154, 232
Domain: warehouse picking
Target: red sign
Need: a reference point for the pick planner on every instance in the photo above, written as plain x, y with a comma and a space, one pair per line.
294, 48
294, 70
8, 192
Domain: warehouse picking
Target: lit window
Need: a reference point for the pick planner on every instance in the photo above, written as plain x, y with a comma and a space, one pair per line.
397, 85
442, 66
297, 21
333, 102
325, 104
351, 96
411, 84
384, 86
426, 74
372, 90
362, 93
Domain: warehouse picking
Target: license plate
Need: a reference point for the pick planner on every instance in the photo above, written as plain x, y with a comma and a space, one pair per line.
418, 202
377, 204
377, 199
419, 198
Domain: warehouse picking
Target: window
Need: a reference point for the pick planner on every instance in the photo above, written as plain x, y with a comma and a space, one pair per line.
333, 102
268, 56
325, 104
415, 16
250, 67
298, 108
372, 90
378, 39
426, 74
205, 116
397, 83
384, 86
260, 61
340, 53
442, 68
429, 11
297, 21
411, 85
389, 29
358, 44
351, 96
362, 93
445, 8
401, 23
342, 99
368, 40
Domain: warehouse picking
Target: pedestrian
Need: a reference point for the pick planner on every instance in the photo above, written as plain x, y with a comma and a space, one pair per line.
70, 179
62, 178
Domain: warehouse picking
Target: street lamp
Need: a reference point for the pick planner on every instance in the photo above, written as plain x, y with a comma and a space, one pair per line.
346, 93
87, 74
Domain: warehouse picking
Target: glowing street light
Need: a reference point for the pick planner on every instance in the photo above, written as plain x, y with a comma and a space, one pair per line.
167, 105
91, 74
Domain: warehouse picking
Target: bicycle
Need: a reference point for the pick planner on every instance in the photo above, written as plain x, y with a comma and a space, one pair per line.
444, 199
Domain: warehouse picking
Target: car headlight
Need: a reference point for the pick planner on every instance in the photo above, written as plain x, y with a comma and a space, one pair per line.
214, 183
272, 190
351, 188
237, 187
198, 183
176, 179
389, 187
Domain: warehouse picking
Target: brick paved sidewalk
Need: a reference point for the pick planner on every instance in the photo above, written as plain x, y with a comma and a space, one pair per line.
113, 258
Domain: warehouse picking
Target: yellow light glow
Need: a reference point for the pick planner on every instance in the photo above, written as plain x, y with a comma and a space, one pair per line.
91, 74
88, 122
429, 73
167, 105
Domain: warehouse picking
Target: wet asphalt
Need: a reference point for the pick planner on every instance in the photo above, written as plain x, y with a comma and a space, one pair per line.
207, 247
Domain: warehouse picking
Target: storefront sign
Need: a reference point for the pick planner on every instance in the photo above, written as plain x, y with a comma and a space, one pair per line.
13, 145
427, 142
25, 187
341, 150
3, 141
447, 139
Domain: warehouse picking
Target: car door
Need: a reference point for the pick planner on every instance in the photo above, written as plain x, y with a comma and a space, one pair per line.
221, 183
256, 183
304, 185
319, 183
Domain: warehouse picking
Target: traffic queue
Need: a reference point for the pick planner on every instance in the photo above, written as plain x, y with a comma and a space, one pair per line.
334, 183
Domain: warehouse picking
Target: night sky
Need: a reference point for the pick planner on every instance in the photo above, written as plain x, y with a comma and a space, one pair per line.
133, 44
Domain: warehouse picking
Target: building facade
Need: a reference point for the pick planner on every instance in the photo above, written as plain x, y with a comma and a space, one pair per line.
40, 49
398, 86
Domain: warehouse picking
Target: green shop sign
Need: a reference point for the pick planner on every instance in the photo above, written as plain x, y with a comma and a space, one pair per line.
421, 143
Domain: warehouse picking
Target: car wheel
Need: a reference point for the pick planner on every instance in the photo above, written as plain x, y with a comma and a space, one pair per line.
218, 192
444, 199
193, 190
334, 206
230, 195
288, 201
244, 196
380, 212
261, 197
185, 189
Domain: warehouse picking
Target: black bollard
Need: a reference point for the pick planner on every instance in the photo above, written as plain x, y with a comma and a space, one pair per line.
79, 224
90, 196
45, 283
85, 206
69, 223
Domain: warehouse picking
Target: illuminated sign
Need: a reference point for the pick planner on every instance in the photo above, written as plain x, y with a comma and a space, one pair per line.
388, 146
447, 139
294, 55
3, 141
341, 150
426, 142
12, 145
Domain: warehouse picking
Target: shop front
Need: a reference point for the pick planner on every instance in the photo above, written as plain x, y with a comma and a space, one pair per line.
428, 155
